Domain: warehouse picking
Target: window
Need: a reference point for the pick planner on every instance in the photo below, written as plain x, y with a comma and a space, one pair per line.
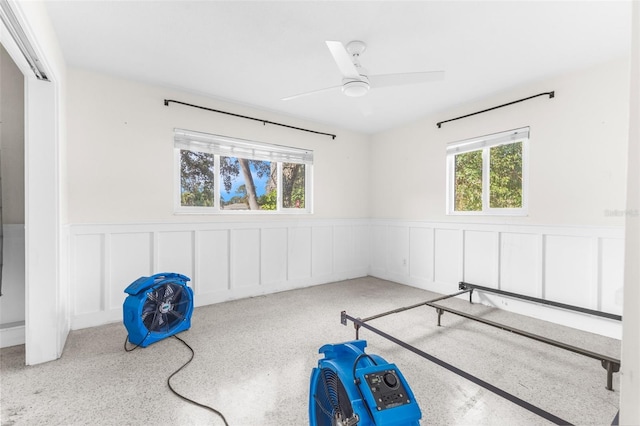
488, 175
223, 174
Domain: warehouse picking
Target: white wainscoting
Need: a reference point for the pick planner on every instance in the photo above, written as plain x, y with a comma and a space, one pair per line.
13, 287
581, 266
225, 261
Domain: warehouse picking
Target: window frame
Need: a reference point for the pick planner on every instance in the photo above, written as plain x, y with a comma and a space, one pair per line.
484, 144
218, 146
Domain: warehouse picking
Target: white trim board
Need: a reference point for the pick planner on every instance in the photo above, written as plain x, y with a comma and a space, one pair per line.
11, 334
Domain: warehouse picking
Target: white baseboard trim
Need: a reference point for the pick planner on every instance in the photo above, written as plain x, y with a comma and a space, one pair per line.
12, 334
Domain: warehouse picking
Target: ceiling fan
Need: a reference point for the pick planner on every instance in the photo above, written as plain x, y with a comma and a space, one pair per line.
356, 81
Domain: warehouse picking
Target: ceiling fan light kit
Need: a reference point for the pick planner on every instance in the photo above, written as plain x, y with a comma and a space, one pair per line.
355, 88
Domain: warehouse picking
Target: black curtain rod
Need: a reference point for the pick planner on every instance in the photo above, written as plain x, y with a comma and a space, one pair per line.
264, 122
551, 95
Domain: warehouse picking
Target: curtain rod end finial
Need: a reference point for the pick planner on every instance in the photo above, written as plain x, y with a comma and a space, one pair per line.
166, 102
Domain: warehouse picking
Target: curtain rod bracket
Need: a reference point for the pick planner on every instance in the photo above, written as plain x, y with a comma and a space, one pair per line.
551, 95
264, 122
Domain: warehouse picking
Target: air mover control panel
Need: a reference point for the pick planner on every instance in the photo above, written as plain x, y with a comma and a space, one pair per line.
387, 389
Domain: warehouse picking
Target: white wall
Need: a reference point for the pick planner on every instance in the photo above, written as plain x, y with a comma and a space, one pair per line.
121, 200
120, 153
566, 249
577, 152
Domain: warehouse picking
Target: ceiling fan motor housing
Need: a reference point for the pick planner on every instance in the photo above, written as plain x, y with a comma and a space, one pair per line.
379, 395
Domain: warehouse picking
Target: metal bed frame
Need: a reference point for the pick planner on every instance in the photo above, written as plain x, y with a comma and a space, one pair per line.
612, 365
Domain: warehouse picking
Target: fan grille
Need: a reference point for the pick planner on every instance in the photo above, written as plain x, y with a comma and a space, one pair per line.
164, 308
331, 398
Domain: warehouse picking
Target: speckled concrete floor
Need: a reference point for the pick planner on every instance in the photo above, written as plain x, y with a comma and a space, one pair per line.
254, 356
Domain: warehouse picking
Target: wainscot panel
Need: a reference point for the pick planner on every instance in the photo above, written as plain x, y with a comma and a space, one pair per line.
299, 253
225, 261
130, 257
421, 254
321, 249
580, 266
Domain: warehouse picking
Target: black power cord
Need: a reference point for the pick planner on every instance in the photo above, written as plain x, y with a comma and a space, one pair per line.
356, 381
218, 413
136, 346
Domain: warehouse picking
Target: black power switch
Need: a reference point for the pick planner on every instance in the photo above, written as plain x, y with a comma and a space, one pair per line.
391, 380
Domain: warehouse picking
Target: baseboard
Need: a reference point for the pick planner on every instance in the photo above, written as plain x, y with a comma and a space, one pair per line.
12, 334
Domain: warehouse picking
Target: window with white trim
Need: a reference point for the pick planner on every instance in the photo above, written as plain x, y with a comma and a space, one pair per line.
488, 175
223, 174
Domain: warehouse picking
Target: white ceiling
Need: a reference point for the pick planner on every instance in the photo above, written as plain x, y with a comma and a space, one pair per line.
255, 53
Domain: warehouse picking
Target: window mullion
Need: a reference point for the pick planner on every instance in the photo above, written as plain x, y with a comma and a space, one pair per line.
486, 157
308, 199
451, 190
279, 187
216, 182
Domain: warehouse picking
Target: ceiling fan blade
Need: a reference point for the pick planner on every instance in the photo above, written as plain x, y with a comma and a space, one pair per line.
314, 92
343, 59
387, 80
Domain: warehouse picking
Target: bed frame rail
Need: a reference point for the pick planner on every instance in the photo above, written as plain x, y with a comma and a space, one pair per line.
612, 365
470, 287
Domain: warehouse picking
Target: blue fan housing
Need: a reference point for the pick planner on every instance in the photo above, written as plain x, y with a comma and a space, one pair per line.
359, 388
157, 307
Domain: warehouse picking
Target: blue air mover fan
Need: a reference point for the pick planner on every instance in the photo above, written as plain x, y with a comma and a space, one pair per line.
158, 306
350, 387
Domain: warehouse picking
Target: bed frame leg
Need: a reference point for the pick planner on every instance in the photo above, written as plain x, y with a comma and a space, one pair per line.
466, 287
611, 368
440, 312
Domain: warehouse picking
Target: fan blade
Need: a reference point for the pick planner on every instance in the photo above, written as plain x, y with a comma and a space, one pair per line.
161, 291
387, 80
153, 296
343, 59
314, 92
156, 321
176, 294
176, 314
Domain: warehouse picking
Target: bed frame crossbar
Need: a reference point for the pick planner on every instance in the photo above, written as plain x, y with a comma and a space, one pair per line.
417, 305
